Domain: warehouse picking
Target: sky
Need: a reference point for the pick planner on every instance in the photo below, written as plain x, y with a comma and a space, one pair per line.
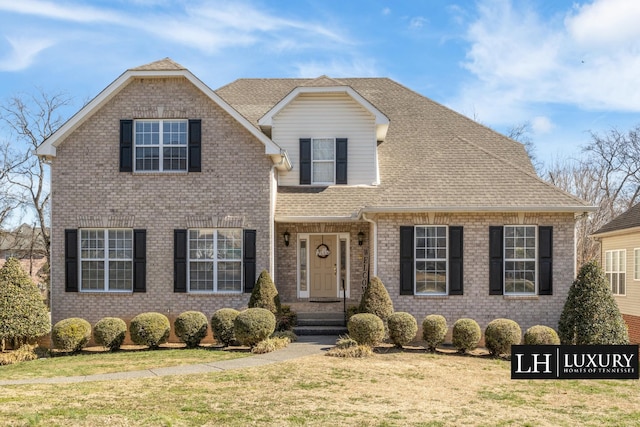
566, 68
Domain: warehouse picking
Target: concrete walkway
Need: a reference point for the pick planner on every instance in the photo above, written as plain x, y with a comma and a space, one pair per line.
305, 346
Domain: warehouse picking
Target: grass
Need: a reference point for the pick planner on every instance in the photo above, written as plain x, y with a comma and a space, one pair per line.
386, 389
89, 363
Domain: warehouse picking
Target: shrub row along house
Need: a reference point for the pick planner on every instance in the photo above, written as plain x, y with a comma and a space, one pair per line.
620, 257
170, 196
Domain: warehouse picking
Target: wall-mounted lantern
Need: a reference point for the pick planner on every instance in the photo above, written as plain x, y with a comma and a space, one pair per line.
286, 236
360, 238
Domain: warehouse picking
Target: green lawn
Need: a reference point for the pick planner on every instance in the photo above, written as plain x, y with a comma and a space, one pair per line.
410, 388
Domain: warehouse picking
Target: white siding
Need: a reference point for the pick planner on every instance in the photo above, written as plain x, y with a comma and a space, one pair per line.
630, 302
328, 116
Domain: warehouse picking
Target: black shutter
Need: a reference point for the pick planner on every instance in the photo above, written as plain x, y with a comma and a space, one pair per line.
455, 261
179, 260
496, 264
545, 260
249, 259
305, 161
71, 260
139, 260
126, 145
195, 144
406, 260
341, 160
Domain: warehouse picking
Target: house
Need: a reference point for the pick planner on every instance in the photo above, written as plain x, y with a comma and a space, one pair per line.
170, 196
620, 257
27, 244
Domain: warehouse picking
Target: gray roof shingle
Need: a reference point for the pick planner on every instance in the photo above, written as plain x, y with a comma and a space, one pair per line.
628, 219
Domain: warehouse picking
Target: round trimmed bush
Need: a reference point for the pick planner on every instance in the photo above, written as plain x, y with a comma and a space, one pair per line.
109, 332
366, 329
402, 328
150, 329
71, 334
191, 327
222, 325
254, 325
541, 335
434, 330
500, 335
466, 334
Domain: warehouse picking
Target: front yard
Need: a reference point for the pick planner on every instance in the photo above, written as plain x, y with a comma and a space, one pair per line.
391, 388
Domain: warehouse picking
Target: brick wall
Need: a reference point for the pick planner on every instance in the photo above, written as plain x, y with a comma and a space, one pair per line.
89, 191
633, 323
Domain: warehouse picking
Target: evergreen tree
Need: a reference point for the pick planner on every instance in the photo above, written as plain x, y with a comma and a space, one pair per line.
264, 294
376, 300
23, 313
591, 315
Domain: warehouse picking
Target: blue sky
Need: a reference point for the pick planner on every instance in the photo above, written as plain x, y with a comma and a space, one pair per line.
565, 67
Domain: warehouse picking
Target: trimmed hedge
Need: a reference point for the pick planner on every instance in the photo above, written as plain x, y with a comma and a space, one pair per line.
366, 329
254, 325
222, 325
191, 327
541, 335
286, 318
500, 335
376, 300
264, 294
110, 332
71, 334
434, 330
466, 334
403, 328
150, 329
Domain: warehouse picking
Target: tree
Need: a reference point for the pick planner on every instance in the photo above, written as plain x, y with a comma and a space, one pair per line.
522, 134
376, 300
265, 294
590, 315
23, 314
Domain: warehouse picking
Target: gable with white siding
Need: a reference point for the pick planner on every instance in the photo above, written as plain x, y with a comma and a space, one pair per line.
328, 115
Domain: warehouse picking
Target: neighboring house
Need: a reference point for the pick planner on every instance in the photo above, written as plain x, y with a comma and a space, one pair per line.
620, 257
27, 245
169, 196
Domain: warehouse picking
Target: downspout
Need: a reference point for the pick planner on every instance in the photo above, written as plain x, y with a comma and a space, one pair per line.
273, 183
374, 256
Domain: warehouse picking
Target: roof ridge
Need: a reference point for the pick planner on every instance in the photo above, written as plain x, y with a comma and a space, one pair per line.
518, 168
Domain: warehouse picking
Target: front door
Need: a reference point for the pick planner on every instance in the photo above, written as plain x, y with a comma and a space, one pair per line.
323, 252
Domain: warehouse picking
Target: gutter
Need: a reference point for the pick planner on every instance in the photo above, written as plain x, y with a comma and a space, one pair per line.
479, 209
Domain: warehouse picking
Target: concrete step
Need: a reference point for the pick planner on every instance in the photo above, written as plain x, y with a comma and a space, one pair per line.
320, 330
320, 323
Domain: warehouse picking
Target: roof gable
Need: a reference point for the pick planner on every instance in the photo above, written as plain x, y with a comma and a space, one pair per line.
159, 69
626, 220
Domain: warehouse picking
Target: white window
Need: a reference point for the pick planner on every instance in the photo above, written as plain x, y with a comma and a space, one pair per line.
106, 260
520, 260
615, 270
323, 161
160, 145
636, 257
215, 260
431, 260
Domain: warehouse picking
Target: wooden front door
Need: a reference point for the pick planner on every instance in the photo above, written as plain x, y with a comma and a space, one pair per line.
323, 252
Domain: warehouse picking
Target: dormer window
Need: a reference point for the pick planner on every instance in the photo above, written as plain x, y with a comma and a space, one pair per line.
323, 161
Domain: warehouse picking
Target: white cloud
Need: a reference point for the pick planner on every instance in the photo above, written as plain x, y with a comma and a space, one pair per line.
22, 52
541, 125
417, 22
520, 58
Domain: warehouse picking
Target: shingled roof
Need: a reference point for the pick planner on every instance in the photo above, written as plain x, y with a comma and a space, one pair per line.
626, 220
433, 159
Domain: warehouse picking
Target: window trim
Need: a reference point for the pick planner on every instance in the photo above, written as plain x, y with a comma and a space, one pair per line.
106, 260
160, 146
622, 255
215, 260
333, 162
535, 259
416, 260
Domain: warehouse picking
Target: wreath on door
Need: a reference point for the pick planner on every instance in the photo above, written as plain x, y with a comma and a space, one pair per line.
322, 251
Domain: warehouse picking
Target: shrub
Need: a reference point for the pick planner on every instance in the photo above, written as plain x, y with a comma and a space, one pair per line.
150, 329
351, 351
346, 342
466, 334
402, 328
264, 294
286, 319
541, 335
366, 329
71, 334
254, 325
110, 332
191, 327
376, 300
351, 310
23, 314
270, 344
590, 315
434, 330
222, 325
25, 353
500, 335
290, 335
